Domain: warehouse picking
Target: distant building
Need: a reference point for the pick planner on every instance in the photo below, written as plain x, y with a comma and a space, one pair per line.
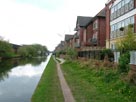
81, 35
69, 40
15, 47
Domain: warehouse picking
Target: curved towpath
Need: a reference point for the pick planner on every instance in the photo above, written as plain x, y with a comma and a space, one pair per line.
64, 86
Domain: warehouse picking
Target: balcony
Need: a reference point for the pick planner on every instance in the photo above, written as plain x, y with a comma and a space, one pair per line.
92, 48
94, 41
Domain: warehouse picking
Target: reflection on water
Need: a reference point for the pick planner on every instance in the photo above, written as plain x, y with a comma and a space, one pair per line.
19, 77
7, 65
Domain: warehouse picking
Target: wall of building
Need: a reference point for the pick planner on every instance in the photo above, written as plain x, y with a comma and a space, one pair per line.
102, 31
116, 22
81, 32
89, 34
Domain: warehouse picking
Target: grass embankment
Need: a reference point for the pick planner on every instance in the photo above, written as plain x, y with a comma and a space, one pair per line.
90, 83
48, 89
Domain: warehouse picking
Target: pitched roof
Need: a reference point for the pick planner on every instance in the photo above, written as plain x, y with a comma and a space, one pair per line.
82, 21
68, 37
102, 13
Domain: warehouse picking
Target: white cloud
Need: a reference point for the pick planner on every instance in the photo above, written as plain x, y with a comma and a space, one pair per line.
25, 23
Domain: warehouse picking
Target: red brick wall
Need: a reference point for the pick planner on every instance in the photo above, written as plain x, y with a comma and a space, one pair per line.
107, 23
81, 30
108, 19
135, 24
89, 33
135, 3
102, 32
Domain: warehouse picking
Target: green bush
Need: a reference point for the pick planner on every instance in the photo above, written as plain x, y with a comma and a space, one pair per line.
72, 53
6, 49
124, 62
108, 53
32, 50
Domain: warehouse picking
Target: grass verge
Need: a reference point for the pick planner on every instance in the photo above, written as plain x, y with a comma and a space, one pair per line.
90, 84
48, 89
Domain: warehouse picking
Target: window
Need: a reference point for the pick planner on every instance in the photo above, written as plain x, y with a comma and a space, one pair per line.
126, 8
133, 57
128, 21
115, 11
122, 23
119, 9
112, 30
132, 20
95, 24
131, 4
127, 1
122, 7
122, 3
116, 56
95, 35
115, 28
113, 46
112, 10
119, 25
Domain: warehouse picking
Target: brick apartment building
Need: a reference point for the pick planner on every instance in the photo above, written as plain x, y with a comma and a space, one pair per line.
91, 33
81, 34
96, 30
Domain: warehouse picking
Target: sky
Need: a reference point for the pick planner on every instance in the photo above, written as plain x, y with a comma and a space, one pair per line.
43, 21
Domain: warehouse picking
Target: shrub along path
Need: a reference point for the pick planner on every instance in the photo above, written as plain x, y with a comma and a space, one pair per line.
65, 88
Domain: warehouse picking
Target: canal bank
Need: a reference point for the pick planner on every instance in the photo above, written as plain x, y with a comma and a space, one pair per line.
49, 89
19, 78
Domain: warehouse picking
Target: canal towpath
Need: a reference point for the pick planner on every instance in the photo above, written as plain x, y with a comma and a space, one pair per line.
64, 86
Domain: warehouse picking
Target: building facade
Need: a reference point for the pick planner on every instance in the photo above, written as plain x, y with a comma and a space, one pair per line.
97, 29
119, 14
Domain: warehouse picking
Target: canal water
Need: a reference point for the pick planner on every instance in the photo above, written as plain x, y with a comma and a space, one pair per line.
19, 78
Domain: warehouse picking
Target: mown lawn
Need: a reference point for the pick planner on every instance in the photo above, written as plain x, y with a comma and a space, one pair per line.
48, 89
90, 84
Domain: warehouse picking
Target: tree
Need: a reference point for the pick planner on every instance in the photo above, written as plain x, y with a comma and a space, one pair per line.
5, 49
32, 50
128, 43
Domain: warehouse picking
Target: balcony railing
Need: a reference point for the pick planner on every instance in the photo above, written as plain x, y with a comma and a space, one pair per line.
77, 45
94, 41
93, 48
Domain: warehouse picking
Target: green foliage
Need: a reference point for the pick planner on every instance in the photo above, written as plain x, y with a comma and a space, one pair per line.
128, 43
32, 50
91, 84
5, 49
72, 53
124, 62
109, 76
106, 52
